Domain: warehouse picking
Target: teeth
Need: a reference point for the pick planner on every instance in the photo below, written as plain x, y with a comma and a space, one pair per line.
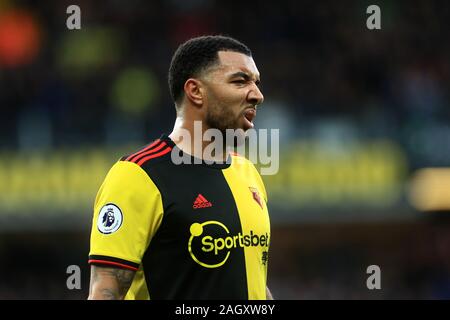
249, 115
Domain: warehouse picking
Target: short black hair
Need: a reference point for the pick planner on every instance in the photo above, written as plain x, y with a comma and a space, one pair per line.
196, 55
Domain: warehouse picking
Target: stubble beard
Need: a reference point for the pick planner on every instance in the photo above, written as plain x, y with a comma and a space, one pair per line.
220, 117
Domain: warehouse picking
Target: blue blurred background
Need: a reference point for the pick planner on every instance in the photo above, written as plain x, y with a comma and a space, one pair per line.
364, 119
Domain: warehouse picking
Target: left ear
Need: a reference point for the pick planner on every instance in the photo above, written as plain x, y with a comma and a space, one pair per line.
194, 91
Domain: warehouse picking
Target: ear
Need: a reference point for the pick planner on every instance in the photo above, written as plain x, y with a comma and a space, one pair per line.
193, 91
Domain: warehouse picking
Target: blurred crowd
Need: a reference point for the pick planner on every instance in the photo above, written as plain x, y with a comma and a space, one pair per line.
324, 74
306, 262
331, 262
320, 65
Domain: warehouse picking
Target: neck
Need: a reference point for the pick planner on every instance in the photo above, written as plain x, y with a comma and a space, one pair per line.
188, 136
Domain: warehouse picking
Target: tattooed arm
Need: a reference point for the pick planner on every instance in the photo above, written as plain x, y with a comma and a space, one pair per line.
109, 283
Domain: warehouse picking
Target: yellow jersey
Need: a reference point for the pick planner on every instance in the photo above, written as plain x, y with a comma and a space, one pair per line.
190, 231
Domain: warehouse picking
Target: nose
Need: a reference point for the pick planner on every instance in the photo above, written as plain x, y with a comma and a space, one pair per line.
255, 95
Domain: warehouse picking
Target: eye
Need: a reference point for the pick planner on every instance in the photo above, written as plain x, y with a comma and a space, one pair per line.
239, 81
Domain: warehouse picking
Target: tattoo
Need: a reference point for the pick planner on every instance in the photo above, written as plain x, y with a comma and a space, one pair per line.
109, 283
108, 294
124, 278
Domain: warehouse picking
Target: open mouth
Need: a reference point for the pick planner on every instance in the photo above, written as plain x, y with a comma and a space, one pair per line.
249, 115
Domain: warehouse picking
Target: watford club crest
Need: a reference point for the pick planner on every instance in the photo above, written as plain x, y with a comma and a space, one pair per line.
256, 196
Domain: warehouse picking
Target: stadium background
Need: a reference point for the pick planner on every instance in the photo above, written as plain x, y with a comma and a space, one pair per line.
363, 118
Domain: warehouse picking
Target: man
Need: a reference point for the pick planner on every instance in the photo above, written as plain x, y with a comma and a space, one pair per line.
197, 230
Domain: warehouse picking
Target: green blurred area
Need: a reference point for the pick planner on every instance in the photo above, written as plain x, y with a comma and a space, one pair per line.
82, 53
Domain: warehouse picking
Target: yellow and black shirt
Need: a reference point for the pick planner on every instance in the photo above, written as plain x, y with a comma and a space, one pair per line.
190, 231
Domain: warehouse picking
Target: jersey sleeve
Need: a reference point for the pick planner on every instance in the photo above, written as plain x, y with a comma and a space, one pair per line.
128, 211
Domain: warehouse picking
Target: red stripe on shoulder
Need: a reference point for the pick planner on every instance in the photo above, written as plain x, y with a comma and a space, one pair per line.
151, 151
153, 144
154, 155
